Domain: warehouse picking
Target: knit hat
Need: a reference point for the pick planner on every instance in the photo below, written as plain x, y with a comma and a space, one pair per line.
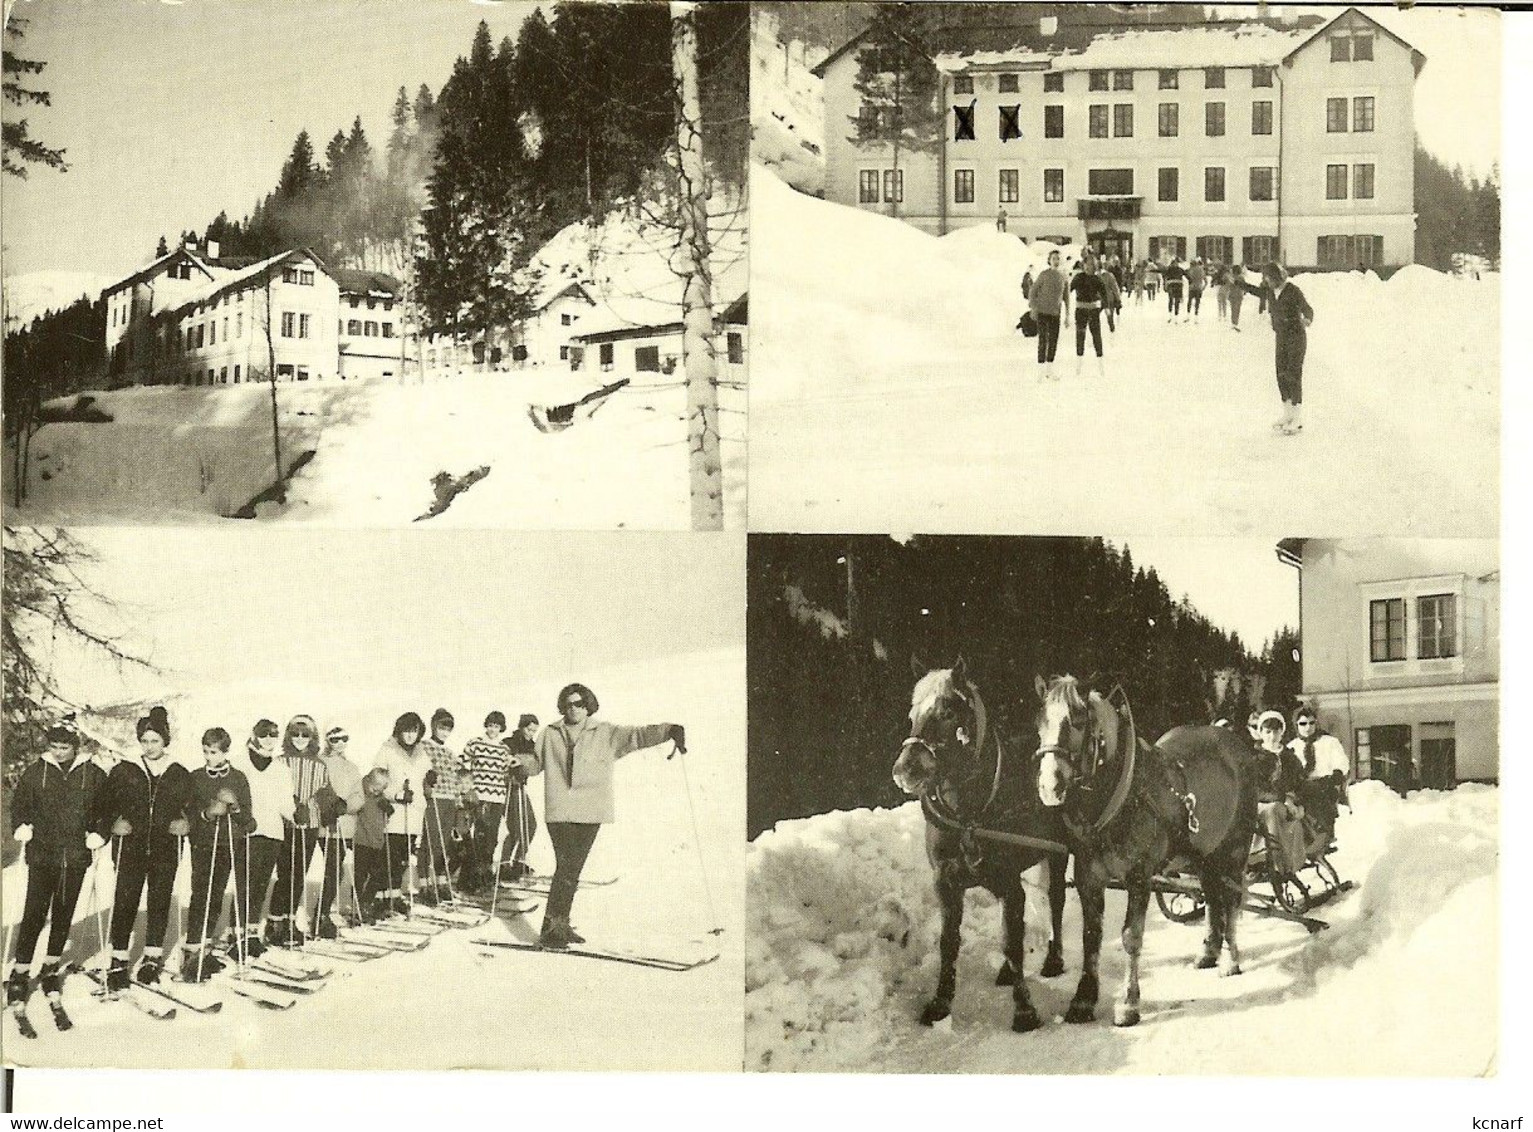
158, 722
337, 735
1273, 717
587, 696
60, 734
527, 717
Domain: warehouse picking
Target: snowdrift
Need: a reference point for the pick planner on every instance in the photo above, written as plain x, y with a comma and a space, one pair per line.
891, 390
842, 926
448, 1006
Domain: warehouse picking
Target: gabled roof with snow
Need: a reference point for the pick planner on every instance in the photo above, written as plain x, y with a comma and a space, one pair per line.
547, 296
355, 282
255, 273
659, 311
150, 268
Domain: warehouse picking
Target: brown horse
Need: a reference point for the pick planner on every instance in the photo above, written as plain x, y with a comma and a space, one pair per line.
1130, 809
977, 803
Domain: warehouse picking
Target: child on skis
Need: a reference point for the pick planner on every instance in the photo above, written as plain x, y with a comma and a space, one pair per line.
58, 817
219, 812
488, 764
521, 822
445, 788
311, 789
337, 816
260, 843
370, 841
146, 802
406, 765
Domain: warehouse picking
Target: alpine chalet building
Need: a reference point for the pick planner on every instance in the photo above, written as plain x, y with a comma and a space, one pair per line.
1236, 140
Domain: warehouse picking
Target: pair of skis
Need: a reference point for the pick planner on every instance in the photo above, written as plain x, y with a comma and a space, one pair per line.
678, 955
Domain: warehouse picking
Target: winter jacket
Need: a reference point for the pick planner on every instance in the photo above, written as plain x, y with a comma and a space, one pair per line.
371, 825
345, 789
62, 807
1291, 312
1195, 277
404, 767
1323, 756
1048, 294
1027, 285
1279, 775
1173, 273
149, 800
1089, 291
205, 787
578, 784
271, 794
309, 771
452, 780
489, 764
1113, 288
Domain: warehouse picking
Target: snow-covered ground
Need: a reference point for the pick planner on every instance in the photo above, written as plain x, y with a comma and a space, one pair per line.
842, 931
890, 391
195, 454
449, 1006
787, 106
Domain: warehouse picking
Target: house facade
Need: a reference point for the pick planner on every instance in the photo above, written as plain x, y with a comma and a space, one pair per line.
547, 338
370, 325
1241, 141
1401, 654
612, 347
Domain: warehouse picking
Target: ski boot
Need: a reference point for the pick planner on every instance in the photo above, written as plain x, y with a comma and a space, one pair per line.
575, 937
427, 898
50, 980
196, 965
18, 988
117, 979
150, 970
555, 935
281, 932
398, 906
327, 929
516, 870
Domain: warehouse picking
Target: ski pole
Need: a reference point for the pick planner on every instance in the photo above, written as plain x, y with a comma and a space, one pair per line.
697, 840
320, 899
388, 865
409, 861
241, 944
111, 905
177, 929
442, 841
95, 863
426, 849
207, 905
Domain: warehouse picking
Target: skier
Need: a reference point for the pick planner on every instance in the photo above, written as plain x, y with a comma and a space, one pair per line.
406, 765
1046, 298
522, 741
58, 817
1090, 295
311, 790
338, 817
445, 791
146, 802
580, 754
1291, 316
372, 866
219, 813
262, 839
1326, 769
489, 767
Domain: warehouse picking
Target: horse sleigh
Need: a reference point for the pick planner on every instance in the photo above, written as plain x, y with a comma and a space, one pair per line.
1176, 820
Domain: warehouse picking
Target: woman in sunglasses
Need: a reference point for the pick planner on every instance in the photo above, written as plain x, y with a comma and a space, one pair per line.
579, 753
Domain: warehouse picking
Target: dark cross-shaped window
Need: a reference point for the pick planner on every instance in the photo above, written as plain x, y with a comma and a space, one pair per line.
1011, 122
963, 123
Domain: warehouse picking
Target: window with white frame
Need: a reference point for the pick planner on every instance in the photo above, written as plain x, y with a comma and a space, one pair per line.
1362, 114
1362, 181
1053, 186
1335, 182
867, 186
1010, 121
1123, 80
1169, 119
894, 186
287, 324
1352, 47
353, 326
1098, 80
1009, 189
1166, 80
1213, 119
1053, 121
1386, 630
1262, 76
303, 326
1167, 184
1110, 182
1335, 115
1213, 183
1123, 120
1213, 78
963, 186
1263, 178
1261, 117
1096, 120
1437, 626
1009, 84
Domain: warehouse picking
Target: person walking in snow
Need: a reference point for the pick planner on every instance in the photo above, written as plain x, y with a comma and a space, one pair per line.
1222, 290
445, 791
1174, 275
311, 791
407, 766
59, 819
1047, 300
1000, 221
146, 802
577, 756
1236, 294
1113, 303
1197, 280
218, 812
337, 816
1291, 316
1090, 295
263, 837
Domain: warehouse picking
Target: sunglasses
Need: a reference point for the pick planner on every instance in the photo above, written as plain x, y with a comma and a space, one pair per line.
573, 703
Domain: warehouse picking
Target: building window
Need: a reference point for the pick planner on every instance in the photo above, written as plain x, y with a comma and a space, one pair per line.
303, 326
371, 302
963, 123
369, 329
355, 302
1213, 78
1096, 120
1261, 117
1123, 80
1261, 76
1098, 81
306, 278
1213, 119
963, 84
387, 329
1123, 120
1362, 114
1341, 49
1436, 626
867, 186
1215, 249
1053, 121
1349, 251
239, 324
1168, 246
1259, 249
1167, 80
287, 324
564, 353
223, 375
1009, 84
1170, 119
1053, 186
1352, 48
290, 275
236, 375
1386, 633
1110, 182
303, 373
285, 371
1167, 182
1335, 182
894, 186
735, 344
1262, 179
566, 320
212, 334
646, 359
1011, 122
1010, 189
963, 186
210, 375
1335, 115
1362, 48
1213, 183
388, 304
354, 326
604, 355
1054, 82
1362, 182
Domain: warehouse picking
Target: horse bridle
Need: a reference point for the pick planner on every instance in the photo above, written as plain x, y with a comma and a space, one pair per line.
980, 738
1092, 755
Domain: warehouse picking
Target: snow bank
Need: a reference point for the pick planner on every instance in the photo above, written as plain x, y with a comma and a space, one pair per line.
843, 924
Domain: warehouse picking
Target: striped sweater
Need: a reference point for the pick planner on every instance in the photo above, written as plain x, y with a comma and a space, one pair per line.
488, 761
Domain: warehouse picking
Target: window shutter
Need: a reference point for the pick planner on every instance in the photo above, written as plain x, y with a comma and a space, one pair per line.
1011, 122
963, 124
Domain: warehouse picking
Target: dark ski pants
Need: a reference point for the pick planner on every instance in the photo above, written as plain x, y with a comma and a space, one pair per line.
1194, 300
438, 851
1318, 796
1048, 337
144, 858
371, 875
396, 860
1174, 298
488, 843
212, 862
53, 889
1237, 296
254, 859
1088, 318
292, 868
335, 864
1290, 367
572, 845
